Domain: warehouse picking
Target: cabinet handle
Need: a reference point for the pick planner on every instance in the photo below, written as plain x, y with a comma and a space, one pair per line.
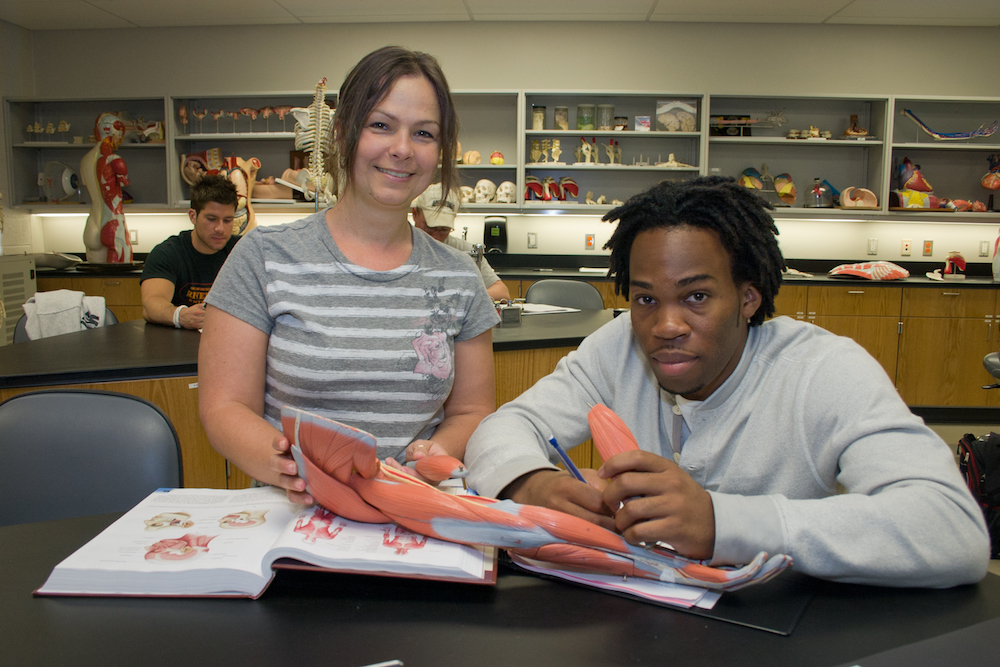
855, 291
989, 330
951, 294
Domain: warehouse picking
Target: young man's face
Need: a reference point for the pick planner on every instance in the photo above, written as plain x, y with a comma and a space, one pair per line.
213, 225
438, 233
689, 316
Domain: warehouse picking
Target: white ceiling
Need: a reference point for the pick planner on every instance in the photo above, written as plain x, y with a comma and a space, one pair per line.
92, 14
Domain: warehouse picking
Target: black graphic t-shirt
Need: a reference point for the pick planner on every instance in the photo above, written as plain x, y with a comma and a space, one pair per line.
191, 272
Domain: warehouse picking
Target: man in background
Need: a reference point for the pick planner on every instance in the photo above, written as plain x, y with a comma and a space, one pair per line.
179, 271
438, 220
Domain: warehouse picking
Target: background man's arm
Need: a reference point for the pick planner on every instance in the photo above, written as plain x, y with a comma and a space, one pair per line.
158, 308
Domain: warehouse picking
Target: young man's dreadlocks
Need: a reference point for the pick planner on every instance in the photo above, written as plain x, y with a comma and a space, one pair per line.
736, 214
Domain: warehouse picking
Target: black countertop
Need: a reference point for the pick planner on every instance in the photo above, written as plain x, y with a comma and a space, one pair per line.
136, 350
337, 619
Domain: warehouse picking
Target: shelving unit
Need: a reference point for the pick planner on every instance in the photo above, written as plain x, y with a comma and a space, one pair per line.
501, 120
268, 139
27, 157
618, 181
952, 167
842, 162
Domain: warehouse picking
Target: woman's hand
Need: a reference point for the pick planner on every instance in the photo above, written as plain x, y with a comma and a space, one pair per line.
288, 479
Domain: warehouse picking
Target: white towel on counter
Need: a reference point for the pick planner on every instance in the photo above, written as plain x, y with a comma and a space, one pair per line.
62, 311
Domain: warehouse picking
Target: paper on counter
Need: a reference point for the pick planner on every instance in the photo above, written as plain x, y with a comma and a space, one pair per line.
544, 308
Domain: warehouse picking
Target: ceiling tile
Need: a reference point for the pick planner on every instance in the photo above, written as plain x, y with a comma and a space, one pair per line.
58, 15
924, 11
560, 10
159, 14
379, 11
750, 11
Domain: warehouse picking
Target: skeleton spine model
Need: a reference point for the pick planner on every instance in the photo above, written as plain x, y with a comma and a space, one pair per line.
314, 135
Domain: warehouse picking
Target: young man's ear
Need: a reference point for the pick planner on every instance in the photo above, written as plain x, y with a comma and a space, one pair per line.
750, 300
192, 215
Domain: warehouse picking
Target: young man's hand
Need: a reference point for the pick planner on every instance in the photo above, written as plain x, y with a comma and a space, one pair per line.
654, 500
558, 490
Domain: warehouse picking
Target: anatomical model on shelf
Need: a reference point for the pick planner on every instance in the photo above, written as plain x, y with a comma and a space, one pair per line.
556, 151
506, 192
858, 198
243, 174
343, 474
855, 129
314, 135
486, 191
104, 174
983, 130
614, 151
472, 157
536, 151
496, 157
546, 147
467, 194
672, 163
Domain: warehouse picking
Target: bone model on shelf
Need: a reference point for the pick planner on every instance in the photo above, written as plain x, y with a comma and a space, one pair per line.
314, 135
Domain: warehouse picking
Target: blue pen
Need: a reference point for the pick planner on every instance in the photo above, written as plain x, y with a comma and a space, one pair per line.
566, 459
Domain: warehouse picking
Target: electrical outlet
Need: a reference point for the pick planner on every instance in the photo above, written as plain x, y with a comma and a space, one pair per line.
133, 235
905, 247
532, 240
928, 248
590, 243
984, 248
872, 246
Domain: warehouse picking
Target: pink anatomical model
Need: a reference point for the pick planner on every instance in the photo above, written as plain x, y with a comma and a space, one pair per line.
104, 173
216, 115
343, 474
199, 115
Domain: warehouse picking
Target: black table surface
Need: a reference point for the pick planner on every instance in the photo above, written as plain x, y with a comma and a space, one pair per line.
137, 350
325, 619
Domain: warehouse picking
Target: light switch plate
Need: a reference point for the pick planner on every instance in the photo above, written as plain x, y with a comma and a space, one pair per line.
532, 240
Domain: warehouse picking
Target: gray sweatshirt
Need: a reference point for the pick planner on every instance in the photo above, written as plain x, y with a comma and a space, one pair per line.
803, 411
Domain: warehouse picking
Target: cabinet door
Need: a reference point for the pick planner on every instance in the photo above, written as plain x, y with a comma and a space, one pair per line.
791, 301
878, 335
514, 287
941, 360
948, 301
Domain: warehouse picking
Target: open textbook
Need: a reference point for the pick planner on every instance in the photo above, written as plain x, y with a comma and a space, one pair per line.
212, 542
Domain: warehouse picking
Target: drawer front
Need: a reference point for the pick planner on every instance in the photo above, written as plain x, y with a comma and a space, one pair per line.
948, 301
854, 299
116, 291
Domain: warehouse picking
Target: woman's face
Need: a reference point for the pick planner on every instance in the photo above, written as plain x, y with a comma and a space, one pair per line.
398, 148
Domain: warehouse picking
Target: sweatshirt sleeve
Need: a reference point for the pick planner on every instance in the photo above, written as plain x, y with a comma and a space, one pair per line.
903, 517
513, 441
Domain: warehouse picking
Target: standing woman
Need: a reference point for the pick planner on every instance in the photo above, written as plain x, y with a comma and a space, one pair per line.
350, 312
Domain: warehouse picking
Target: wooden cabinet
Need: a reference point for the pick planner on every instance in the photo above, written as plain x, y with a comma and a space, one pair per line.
121, 294
945, 333
868, 314
791, 301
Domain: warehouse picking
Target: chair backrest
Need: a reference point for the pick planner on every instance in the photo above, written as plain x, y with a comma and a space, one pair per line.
565, 293
68, 453
21, 335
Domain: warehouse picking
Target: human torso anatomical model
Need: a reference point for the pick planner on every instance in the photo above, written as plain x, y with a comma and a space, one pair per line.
105, 174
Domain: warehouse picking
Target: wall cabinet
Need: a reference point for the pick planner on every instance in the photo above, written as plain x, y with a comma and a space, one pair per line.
30, 152
501, 121
953, 168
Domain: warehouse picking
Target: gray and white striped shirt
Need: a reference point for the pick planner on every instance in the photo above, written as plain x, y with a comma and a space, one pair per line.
372, 349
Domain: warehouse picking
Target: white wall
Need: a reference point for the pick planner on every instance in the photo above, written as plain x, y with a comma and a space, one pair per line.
695, 58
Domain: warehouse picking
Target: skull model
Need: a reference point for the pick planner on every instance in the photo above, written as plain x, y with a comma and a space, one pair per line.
468, 195
485, 191
505, 193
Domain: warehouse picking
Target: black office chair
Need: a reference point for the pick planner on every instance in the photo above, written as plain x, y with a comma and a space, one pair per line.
68, 453
565, 293
21, 336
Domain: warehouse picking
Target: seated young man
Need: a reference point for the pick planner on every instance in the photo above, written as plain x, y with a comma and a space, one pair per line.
439, 221
746, 427
179, 271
